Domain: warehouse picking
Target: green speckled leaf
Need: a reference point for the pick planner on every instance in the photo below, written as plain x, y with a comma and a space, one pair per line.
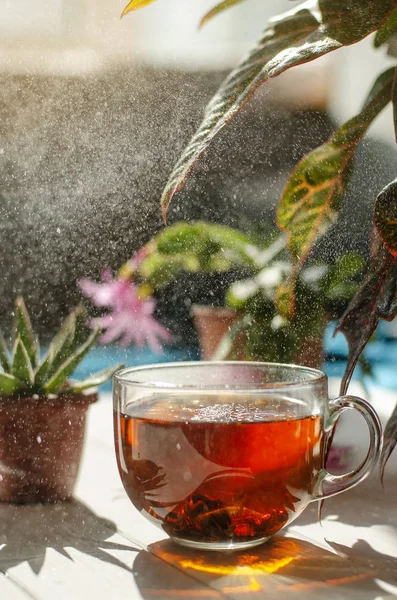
4, 356
21, 367
9, 384
94, 380
67, 368
22, 328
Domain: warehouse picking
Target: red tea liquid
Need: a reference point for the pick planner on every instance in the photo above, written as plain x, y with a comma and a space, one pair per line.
222, 473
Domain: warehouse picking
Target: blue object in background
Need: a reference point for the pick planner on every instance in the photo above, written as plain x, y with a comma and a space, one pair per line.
101, 357
381, 353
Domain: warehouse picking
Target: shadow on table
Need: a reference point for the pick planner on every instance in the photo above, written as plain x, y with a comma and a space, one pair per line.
27, 531
361, 552
281, 568
365, 505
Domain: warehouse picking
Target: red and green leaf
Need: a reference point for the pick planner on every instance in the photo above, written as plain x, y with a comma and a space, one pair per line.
218, 9
311, 199
376, 299
300, 35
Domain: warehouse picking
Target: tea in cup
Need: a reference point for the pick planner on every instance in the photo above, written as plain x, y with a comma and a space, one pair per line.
222, 455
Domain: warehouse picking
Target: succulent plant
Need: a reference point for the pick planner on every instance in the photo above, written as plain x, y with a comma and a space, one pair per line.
25, 373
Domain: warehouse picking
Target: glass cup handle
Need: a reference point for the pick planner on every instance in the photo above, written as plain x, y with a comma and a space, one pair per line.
330, 485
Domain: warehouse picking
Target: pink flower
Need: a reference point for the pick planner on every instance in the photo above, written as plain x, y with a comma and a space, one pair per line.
131, 319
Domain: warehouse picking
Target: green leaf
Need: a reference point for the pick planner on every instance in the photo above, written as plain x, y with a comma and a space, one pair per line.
218, 9
196, 247
300, 35
389, 441
313, 194
285, 296
240, 293
386, 216
161, 269
62, 346
274, 341
179, 238
41, 374
22, 328
4, 356
341, 281
375, 300
387, 30
67, 368
135, 5
9, 384
21, 367
94, 380
201, 237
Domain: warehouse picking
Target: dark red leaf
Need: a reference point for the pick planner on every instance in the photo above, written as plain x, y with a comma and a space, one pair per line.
376, 299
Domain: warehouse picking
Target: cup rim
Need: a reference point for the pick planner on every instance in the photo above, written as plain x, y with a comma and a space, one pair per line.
123, 376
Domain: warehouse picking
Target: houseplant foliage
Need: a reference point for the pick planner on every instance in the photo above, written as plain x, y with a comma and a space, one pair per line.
258, 331
312, 197
42, 410
25, 374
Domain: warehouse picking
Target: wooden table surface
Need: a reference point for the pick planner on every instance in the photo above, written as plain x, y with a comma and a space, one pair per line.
98, 546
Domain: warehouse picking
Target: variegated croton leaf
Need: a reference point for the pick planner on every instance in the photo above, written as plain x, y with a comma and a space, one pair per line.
311, 200
310, 30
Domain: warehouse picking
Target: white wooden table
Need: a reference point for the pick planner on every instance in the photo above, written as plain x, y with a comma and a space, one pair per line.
98, 546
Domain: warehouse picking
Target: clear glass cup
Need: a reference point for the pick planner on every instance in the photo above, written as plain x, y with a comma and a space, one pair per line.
222, 455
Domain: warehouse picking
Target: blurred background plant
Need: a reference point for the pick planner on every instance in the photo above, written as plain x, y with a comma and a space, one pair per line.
256, 329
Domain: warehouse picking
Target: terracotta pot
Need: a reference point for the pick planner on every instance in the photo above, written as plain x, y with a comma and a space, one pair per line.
212, 323
41, 441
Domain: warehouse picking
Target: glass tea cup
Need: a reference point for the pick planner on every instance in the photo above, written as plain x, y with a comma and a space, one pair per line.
222, 455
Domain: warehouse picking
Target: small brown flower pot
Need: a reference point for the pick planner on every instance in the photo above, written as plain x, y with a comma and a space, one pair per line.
41, 441
212, 323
